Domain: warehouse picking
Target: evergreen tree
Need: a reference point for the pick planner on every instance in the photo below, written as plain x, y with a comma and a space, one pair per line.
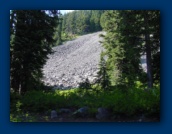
95, 20
156, 67
58, 33
32, 42
128, 37
85, 85
70, 23
103, 78
82, 21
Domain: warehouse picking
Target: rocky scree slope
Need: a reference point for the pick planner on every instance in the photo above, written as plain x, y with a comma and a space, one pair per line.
73, 62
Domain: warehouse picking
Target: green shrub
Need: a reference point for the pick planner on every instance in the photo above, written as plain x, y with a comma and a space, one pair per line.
14, 98
37, 101
129, 102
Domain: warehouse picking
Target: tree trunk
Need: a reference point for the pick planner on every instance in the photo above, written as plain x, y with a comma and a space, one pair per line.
148, 54
148, 60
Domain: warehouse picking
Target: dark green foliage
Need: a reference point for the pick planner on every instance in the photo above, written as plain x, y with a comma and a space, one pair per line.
156, 67
33, 31
119, 73
103, 78
131, 102
82, 21
85, 85
128, 36
95, 20
103, 20
58, 33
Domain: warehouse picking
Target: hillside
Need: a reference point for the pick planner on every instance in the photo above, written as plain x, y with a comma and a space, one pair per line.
73, 62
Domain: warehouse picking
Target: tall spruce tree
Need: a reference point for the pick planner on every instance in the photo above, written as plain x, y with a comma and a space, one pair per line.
33, 37
95, 20
102, 75
130, 34
58, 33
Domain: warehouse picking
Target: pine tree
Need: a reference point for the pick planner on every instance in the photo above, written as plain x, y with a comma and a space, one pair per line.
128, 37
58, 33
82, 21
85, 85
32, 42
103, 78
95, 20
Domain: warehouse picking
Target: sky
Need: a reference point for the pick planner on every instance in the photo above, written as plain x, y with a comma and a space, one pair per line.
62, 11
65, 11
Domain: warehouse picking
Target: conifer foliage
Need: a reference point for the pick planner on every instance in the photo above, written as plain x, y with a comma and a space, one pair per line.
30, 43
129, 35
102, 75
82, 21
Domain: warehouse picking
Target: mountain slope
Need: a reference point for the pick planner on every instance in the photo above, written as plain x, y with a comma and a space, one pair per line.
73, 62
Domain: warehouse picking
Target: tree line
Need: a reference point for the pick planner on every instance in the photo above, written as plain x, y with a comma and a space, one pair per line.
78, 22
82, 21
129, 35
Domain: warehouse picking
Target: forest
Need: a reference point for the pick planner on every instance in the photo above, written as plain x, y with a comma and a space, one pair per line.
123, 90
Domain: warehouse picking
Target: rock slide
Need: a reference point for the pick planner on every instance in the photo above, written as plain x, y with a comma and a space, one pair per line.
73, 62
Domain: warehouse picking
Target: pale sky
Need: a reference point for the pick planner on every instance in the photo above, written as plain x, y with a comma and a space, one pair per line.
65, 11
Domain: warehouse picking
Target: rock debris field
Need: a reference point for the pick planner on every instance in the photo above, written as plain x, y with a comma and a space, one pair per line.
73, 62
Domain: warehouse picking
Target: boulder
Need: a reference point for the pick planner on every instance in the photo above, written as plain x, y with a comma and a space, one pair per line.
142, 118
53, 114
82, 112
65, 110
103, 113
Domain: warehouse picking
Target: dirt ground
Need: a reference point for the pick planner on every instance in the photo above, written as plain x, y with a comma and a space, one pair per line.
67, 118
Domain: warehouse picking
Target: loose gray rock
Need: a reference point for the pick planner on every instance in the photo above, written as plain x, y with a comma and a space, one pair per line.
53, 114
82, 112
72, 61
142, 118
